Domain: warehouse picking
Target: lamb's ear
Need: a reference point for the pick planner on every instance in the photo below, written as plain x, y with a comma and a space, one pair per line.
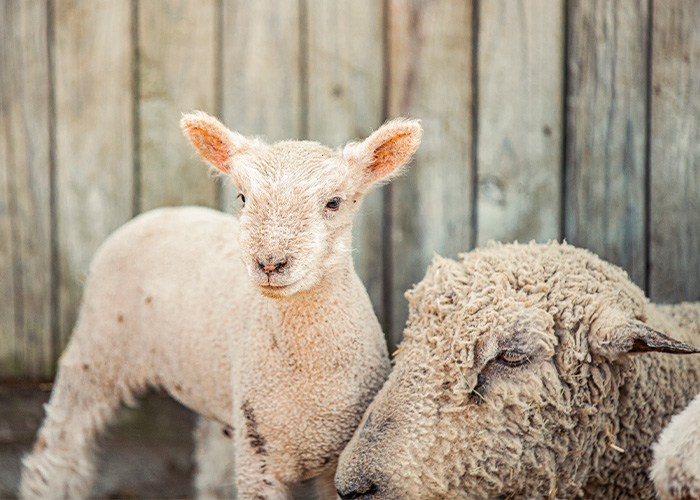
613, 336
383, 153
214, 142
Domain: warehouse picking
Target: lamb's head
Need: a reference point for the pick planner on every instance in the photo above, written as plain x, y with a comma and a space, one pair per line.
508, 380
299, 197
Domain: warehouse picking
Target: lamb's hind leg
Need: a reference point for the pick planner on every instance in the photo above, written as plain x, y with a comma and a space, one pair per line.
61, 464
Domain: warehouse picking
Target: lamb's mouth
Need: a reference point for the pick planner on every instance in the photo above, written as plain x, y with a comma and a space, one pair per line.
274, 287
275, 291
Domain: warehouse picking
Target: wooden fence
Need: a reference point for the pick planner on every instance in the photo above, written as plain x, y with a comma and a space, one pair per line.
543, 119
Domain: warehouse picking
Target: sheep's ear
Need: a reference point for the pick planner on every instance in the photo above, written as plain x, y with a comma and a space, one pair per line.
214, 142
633, 336
643, 338
383, 153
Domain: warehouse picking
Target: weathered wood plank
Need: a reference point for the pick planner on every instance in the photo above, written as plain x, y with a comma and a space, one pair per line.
520, 82
345, 68
177, 73
606, 131
94, 135
25, 233
261, 75
675, 152
430, 50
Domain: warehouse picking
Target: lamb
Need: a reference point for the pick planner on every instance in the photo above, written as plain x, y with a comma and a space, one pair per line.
258, 323
676, 467
517, 378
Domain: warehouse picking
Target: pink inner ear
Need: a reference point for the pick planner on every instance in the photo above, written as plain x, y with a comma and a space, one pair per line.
211, 147
388, 155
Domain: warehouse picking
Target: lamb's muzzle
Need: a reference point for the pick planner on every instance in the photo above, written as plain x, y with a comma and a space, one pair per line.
272, 265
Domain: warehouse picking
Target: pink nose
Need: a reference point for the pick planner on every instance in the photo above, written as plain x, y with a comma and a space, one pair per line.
270, 267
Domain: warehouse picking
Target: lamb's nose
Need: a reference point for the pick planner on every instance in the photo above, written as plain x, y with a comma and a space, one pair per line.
358, 493
272, 265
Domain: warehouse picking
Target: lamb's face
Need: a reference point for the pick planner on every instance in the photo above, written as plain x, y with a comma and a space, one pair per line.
505, 378
298, 202
299, 197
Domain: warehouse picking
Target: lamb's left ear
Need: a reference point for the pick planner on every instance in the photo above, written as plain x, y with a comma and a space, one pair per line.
612, 335
383, 153
214, 142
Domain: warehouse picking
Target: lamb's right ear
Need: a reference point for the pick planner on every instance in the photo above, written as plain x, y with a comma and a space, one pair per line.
214, 142
388, 149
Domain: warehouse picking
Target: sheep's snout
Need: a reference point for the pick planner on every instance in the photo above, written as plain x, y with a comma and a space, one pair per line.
359, 489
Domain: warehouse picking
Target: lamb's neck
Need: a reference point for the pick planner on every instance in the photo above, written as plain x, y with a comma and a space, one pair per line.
329, 314
333, 297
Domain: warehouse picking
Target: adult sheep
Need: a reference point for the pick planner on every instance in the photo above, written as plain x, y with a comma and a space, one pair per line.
676, 467
517, 379
260, 324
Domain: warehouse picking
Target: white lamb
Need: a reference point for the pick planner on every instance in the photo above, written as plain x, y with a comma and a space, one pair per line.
676, 467
259, 323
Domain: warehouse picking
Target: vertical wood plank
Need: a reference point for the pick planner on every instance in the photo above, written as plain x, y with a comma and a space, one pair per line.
345, 68
177, 58
94, 135
261, 75
606, 131
25, 234
520, 82
430, 50
675, 152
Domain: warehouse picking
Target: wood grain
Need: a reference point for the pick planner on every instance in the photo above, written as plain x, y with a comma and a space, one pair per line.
261, 72
430, 50
520, 87
675, 152
345, 85
606, 131
25, 232
94, 135
177, 73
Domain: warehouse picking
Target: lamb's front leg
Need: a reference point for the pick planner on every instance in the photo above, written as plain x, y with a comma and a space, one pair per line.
254, 480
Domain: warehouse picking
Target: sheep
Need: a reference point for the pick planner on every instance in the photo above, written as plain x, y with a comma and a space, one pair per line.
676, 467
516, 379
259, 323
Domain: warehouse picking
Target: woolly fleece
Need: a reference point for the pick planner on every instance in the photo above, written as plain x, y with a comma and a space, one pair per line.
284, 356
514, 381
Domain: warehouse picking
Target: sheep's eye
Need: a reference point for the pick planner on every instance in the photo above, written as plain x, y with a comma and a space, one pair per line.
513, 358
242, 197
333, 204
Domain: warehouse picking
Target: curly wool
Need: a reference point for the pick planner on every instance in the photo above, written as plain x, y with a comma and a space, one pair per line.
576, 419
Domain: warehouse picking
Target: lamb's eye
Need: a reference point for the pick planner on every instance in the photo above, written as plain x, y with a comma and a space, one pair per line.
242, 197
333, 204
513, 358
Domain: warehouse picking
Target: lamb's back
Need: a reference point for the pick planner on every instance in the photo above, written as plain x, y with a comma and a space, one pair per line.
160, 296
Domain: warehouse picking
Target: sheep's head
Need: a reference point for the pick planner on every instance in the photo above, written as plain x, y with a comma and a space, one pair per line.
299, 197
510, 367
